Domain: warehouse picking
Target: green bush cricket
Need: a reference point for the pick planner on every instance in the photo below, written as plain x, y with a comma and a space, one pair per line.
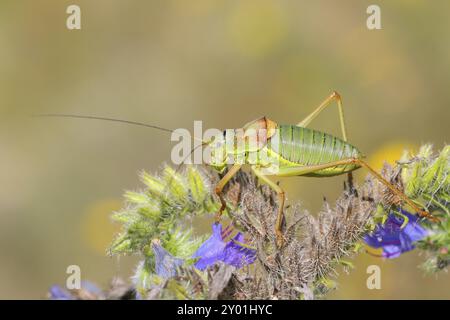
295, 149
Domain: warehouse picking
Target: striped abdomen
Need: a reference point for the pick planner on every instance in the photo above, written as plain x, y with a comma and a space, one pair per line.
307, 147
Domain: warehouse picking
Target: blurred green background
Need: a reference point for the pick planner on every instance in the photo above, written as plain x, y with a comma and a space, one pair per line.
175, 61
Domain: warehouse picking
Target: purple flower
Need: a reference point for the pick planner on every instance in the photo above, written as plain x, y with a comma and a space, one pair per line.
211, 250
395, 239
237, 254
166, 265
56, 292
234, 252
88, 291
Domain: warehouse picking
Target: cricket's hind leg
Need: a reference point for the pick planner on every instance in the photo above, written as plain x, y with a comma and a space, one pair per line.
397, 192
334, 96
303, 170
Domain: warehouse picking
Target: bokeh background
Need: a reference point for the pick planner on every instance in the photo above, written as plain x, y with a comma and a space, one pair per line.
172, 62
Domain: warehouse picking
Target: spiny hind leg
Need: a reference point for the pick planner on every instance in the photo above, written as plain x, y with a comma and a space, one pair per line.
397, 192
281, 198
302, 170
334, 96
219, 188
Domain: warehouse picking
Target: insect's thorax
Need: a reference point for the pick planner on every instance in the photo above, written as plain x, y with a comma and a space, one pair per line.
299, 146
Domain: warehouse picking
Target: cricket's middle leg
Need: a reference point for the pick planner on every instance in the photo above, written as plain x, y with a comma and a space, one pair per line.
281, 199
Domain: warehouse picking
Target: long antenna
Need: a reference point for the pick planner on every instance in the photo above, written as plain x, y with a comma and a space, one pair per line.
76, 116
142, 124
104, 119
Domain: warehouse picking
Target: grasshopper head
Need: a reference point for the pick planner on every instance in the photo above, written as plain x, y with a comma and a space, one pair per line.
251, 138
257, 132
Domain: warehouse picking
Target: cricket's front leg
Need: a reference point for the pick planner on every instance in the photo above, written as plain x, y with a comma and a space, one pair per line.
281, 199
219, 188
